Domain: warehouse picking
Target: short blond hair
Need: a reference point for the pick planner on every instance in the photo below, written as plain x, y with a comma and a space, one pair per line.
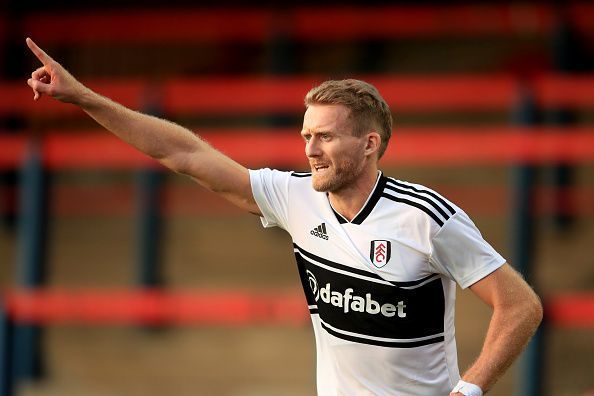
368, 109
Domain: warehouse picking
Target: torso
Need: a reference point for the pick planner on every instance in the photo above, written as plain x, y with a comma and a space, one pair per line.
383, 319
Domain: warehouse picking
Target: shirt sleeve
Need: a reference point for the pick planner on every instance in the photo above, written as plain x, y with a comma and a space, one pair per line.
460, 252
271, 192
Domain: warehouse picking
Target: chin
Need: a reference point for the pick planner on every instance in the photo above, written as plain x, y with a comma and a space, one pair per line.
326, 184
319, 187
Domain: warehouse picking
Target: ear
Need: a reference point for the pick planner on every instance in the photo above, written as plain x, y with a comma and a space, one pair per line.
373, 143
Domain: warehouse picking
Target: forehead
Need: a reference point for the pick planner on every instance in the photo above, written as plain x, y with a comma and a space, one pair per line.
325, 118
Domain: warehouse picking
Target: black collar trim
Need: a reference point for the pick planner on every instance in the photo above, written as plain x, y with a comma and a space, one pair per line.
341, 220
375, 196
371, 202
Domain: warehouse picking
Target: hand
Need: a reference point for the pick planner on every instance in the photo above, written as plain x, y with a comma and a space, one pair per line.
52, 79
456, 394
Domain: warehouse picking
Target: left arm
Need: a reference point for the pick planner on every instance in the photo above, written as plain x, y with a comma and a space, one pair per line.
517, 312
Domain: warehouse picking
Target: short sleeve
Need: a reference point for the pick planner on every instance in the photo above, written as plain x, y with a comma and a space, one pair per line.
459, 251
271, 192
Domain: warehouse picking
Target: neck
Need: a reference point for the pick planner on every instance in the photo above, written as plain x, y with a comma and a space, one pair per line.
349, 201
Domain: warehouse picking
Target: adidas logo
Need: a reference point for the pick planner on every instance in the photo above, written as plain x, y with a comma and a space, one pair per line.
320, 231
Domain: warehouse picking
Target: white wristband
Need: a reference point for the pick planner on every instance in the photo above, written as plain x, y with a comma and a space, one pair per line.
467, 389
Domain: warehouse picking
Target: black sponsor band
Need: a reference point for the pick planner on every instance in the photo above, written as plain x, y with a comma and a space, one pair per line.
389, 344
360, 305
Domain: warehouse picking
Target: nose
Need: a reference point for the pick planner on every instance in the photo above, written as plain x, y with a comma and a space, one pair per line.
312, 148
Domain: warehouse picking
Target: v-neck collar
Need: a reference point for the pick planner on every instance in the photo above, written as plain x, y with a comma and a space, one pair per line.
364, 212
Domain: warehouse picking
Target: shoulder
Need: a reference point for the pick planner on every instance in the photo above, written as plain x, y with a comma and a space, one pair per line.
421, 200
280, 178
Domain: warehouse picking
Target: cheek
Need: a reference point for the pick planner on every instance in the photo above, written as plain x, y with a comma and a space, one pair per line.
346, 157
345, 152
351, 152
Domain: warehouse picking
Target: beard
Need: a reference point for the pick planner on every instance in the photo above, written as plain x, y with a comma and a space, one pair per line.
338, 176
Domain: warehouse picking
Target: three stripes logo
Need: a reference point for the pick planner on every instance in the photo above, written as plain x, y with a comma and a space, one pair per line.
380, 252
320, 231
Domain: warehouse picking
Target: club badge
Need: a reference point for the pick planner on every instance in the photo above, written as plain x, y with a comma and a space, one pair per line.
380, 252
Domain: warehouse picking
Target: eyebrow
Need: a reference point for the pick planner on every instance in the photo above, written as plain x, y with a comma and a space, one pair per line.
308, 131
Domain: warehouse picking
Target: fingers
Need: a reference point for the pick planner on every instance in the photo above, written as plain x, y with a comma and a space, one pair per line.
36, 94
38, 87
39, 73
38, 52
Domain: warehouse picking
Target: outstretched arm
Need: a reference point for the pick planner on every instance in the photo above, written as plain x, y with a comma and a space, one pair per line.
517, 311
175, 147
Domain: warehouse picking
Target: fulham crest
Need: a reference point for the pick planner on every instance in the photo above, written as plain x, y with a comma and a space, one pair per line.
380, 252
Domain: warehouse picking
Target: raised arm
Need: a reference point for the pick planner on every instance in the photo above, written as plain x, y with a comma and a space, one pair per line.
517, 311
176, 147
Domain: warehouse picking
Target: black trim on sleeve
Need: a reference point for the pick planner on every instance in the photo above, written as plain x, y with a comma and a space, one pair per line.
423, 198
301, 174
428, 192
416, 205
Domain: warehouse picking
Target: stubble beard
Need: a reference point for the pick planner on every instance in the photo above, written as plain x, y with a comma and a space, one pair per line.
338, 177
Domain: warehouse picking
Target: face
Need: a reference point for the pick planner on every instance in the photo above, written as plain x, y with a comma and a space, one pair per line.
336, 157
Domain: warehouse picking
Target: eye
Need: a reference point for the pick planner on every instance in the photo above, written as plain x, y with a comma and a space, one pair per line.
306, 137
325, 137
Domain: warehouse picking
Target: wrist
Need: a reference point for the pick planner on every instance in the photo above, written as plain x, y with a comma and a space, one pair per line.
84, 97
467, 389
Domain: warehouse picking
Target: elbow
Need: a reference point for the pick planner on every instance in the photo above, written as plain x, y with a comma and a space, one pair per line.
534, 311
539, 311
183, 158
175, 166
178, 163
528, 312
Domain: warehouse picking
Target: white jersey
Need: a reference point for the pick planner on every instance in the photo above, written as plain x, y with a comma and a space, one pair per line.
380, 288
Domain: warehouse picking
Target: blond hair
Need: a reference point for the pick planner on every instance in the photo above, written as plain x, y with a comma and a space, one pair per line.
368, 110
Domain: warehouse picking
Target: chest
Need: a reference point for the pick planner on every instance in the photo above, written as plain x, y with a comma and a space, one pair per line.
390, 243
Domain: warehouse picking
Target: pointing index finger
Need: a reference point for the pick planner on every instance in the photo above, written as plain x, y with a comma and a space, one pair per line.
38, 52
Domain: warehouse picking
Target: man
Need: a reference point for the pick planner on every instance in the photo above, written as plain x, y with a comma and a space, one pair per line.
378, 258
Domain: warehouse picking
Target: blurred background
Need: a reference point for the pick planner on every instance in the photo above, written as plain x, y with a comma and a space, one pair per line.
119, 278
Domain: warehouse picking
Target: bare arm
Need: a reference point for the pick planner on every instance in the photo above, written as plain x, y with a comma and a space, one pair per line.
517, 311
175, 147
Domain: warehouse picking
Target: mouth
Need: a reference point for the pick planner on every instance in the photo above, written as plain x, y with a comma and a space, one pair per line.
319, 167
